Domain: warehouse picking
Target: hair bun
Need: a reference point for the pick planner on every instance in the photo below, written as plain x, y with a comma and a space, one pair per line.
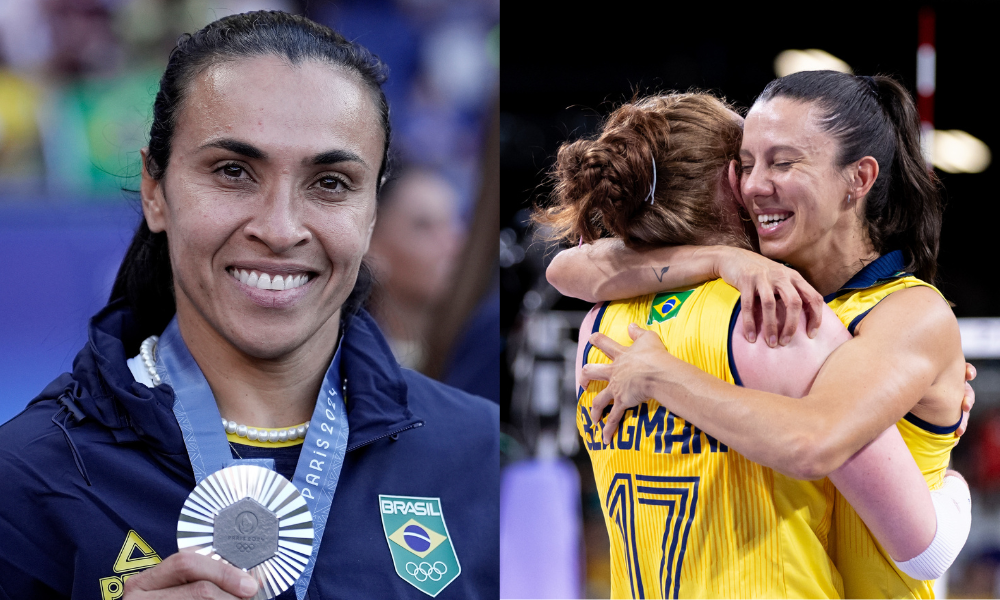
602, 185
605, 182
598, 177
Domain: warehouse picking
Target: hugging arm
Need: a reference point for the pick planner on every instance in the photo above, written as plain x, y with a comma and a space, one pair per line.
890, 495
908, 343
881, 481
608, 270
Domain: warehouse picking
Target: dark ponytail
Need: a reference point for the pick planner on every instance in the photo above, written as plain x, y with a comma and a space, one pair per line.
914, 225
145, 279
875, 116
146, 282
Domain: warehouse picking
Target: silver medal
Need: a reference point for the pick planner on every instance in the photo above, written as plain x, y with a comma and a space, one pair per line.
252, 518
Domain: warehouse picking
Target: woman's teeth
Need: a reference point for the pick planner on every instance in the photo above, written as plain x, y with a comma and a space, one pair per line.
265, 281
771, 221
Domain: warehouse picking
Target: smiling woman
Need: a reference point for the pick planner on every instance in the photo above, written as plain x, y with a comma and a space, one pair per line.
833, 175
739, 509
257, 187
239, 301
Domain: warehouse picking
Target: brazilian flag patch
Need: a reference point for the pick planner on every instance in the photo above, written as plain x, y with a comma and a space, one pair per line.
666, 305
418, 540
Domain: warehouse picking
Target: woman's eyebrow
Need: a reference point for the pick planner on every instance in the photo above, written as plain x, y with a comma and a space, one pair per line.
337, 156
772, 150
785, 148
238, 147
250, 151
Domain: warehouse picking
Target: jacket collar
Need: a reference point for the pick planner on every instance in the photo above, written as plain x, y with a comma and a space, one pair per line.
103, 388
376, 391
887, 266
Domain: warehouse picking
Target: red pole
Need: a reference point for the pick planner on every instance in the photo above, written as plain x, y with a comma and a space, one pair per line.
926, 78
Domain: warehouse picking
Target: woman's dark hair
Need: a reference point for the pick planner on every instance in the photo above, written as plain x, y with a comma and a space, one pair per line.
145, 279
875, 116
602, 185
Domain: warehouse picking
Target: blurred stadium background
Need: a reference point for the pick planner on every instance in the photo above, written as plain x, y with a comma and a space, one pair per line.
77, 82
563, 75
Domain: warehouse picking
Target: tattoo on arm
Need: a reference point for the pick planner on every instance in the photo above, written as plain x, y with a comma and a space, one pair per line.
663, 272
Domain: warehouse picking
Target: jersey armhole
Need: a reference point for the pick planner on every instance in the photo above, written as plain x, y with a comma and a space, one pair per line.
932, 428
586, 349
597, 328
729, 345
857, 320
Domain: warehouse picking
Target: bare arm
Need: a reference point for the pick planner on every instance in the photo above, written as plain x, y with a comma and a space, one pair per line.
884, 485
882, 482
908, 344
608, 270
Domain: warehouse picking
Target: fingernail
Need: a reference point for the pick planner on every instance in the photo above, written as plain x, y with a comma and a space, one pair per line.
772, 341
785, 340
752, 338
248, 585
812, 333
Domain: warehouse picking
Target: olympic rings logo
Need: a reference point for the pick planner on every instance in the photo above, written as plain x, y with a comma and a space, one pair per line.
244, 547
426, 570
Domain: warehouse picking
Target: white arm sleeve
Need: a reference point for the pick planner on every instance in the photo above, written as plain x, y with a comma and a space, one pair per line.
953, 507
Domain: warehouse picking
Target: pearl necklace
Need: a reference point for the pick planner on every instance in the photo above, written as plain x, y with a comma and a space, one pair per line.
147, 352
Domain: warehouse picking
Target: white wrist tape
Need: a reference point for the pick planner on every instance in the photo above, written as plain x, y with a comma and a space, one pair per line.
953, 507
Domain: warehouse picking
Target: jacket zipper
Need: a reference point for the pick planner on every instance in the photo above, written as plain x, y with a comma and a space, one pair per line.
385, 435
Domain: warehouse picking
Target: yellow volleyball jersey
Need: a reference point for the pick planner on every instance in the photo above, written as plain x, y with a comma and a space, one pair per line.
687, 516
867, 569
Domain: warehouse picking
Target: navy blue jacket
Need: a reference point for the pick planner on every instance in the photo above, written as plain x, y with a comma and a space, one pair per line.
97, 455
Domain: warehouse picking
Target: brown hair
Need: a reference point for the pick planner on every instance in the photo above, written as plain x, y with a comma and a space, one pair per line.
602, 184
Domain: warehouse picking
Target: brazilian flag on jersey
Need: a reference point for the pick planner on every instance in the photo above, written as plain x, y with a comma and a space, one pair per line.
666, 306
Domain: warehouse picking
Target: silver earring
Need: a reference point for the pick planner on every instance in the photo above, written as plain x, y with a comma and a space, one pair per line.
848, 198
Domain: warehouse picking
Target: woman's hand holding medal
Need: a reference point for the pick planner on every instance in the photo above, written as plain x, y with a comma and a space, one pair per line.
190, 575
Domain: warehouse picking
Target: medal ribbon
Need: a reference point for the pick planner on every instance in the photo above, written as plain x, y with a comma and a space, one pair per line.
320, 461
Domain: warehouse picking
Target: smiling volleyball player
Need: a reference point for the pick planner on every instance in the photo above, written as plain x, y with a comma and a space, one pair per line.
687, 515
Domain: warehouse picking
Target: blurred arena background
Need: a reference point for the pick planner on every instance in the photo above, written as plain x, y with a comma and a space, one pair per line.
564, 74
77, 82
